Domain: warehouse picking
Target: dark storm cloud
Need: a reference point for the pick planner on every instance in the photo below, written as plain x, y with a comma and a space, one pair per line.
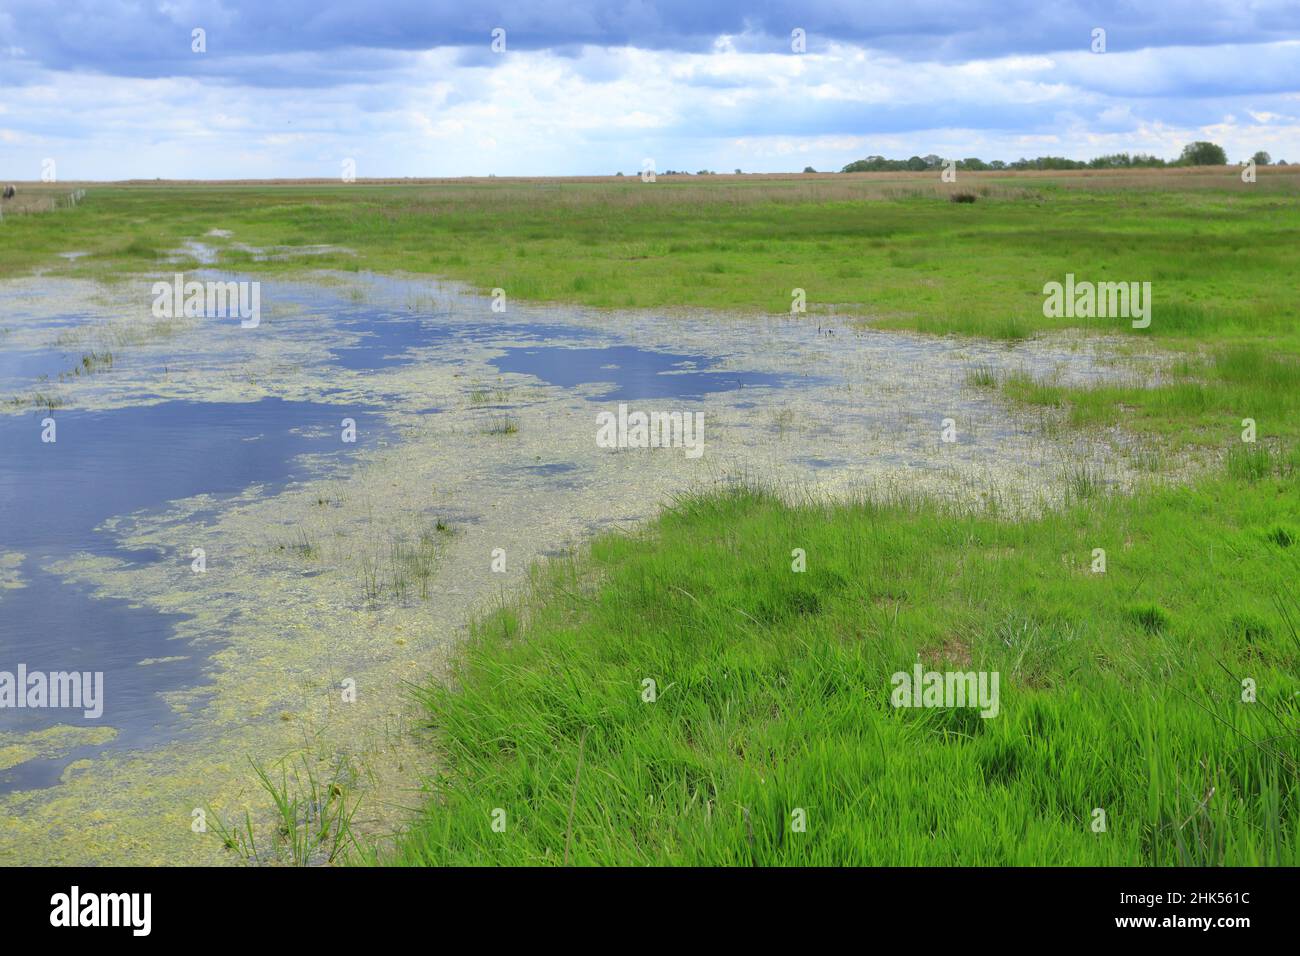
339, 43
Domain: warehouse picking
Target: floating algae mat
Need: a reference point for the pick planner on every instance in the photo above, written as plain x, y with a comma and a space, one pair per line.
256, 540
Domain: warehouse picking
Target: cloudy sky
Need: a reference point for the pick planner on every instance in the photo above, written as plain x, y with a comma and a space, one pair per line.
114, 89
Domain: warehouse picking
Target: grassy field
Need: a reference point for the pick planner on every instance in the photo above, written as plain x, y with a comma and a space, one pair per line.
885, 246
1121, 691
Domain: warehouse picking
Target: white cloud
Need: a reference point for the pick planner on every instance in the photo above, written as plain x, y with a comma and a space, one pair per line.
603, 109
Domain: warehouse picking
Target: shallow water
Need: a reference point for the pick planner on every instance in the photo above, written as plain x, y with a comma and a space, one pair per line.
631, 373
35, 365
203, 434
53, 497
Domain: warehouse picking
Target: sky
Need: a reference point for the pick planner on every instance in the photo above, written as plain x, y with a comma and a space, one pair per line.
111, 89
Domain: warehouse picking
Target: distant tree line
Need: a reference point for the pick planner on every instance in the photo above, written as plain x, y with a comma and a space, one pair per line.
1194, 154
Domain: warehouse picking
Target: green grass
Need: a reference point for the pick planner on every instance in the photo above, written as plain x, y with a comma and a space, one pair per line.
35, 399
1120, 691
406, 571
299, 545
982, 376
1202, 405
413, 563
91, 363
502, 425
313, 818
483, 395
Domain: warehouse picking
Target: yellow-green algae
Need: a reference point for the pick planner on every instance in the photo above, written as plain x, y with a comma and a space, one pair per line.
49, 742
286, 625
10, 575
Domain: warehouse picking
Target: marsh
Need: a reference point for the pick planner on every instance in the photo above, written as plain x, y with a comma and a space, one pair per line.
328, 561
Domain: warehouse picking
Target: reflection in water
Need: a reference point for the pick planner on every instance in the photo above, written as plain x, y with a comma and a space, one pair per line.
53, 495
634, 373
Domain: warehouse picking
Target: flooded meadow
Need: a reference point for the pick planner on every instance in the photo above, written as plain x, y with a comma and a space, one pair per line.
264, 538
